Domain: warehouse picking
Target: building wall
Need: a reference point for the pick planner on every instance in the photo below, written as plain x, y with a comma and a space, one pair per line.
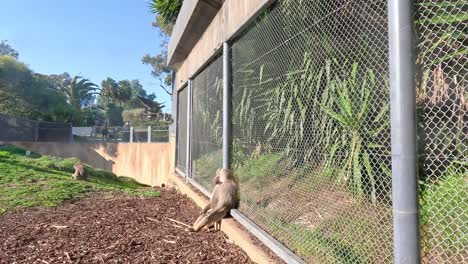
147, 163
231, 18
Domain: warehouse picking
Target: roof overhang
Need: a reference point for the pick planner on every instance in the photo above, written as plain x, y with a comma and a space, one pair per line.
194, 17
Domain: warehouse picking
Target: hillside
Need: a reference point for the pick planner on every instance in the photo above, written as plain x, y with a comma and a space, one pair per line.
35, 180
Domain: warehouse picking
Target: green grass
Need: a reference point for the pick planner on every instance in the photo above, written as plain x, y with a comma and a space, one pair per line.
205, 167
28, 181
444, 210
345, 238
343, 228
260, 168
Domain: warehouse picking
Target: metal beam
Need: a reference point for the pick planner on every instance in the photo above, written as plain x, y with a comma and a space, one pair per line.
227, 129
149, 134
188, 169
403, 132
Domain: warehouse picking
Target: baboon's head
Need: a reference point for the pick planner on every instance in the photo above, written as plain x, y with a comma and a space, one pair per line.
222, 175
77, 165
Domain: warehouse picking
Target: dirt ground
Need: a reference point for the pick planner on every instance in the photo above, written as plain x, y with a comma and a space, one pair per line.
104, 228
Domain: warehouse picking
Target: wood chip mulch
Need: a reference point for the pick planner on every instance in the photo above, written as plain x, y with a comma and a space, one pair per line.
117, 228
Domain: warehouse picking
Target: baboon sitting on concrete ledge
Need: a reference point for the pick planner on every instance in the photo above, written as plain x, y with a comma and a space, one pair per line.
224, 198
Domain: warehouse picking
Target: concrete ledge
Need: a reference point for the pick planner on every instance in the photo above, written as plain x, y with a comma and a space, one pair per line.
230, 227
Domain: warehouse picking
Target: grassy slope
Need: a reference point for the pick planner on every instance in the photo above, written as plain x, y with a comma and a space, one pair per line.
27, 181
444, 210
346, 232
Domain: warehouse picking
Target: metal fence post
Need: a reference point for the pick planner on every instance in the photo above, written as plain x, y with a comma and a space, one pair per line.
175, 121
177, 127
71, 132
131, 134
36, 136
227, 129
188, 167
403, 132
149, 134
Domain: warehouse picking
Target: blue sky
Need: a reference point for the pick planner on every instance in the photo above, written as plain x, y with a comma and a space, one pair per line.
94, 38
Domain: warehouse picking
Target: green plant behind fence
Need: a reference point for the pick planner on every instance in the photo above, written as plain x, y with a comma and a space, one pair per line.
358, 129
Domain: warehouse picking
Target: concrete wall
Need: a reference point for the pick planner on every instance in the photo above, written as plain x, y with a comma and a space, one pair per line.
147, 163
194, 17
233, 16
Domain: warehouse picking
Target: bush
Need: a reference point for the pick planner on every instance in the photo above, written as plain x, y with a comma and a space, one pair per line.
138, 117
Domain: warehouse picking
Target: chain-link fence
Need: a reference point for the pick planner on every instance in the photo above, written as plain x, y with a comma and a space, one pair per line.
150, 134
442, 102
311, 134
101, 134
159, 134
16, 129
311, 140
181, 138
54, 132
207, 123
125, 134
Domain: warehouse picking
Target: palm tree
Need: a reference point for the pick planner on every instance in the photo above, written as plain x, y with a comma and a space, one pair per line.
125, 91
167, 9
77, 90
115, 92
110, 90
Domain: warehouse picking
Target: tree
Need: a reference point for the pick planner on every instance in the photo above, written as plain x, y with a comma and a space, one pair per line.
117, 96
6, 49
151, 96
58, 79
78, 90
152, 107
114, 115
112, 91
160, 70
137, 88
30, 95
125, 91
166, 15
109, 90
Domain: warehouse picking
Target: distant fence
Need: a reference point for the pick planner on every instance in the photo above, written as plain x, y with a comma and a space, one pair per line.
121, 134
17, 129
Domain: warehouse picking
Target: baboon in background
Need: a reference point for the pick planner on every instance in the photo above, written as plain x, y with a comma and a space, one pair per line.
225, 197
80, 172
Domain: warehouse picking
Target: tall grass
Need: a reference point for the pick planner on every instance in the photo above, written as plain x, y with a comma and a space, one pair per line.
319, 115
359, 125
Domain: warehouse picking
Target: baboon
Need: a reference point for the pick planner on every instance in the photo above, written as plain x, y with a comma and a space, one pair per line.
216, 181
225, 197
80, 172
